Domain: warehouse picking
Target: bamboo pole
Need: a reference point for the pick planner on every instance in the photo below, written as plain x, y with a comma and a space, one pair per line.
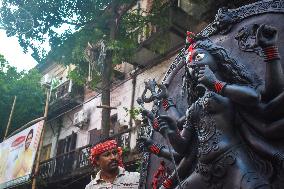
48, 93
10, 117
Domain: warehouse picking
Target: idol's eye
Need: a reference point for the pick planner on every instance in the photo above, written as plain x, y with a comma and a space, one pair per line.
199, 57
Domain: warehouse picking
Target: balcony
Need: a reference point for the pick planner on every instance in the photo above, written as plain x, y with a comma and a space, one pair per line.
164, 39
75, 163
63, 97
66, 165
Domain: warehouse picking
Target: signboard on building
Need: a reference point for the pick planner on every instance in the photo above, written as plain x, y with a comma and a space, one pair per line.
17, 156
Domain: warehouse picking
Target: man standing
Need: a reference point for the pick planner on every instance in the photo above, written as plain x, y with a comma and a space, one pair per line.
107, 156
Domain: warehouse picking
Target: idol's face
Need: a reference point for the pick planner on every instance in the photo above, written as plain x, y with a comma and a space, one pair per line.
197, 58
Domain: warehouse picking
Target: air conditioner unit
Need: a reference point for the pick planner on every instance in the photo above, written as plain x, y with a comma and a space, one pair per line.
81, 118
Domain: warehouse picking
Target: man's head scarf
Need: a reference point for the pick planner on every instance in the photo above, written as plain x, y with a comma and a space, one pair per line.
103, 147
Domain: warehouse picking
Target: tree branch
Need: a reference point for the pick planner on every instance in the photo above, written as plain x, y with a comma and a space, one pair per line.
126, 8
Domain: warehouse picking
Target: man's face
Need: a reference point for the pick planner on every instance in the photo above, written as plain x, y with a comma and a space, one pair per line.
28, 140
108, 161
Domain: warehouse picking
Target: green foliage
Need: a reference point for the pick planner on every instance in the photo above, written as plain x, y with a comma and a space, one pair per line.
139, 166
160, 14
30, 96
69, 25
134, 112
72, 52
161, 45
125, 151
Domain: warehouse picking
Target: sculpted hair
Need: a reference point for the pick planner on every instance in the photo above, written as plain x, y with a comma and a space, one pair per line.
231, 71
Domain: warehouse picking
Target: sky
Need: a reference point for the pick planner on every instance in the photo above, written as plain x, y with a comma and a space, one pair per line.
13, 53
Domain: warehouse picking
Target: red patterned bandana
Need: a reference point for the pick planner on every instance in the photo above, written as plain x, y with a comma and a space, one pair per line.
103, 147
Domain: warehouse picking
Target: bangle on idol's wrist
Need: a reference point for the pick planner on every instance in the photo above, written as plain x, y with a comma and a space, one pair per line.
271, 53
168, 183
156, 148
167, 103
219, 86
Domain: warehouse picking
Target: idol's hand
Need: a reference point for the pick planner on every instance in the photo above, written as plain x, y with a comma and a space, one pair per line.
164, 124
207, 77
266, 36
147, 144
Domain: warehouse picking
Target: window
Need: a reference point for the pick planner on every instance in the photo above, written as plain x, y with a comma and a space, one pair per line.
67, 144
95, 136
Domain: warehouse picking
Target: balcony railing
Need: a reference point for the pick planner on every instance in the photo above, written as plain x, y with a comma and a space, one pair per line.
65, 96
66, 165
76, 162
61, 91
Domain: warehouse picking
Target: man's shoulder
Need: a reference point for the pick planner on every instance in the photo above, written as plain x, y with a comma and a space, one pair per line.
134, 176
89, 186
129, 180
132, 173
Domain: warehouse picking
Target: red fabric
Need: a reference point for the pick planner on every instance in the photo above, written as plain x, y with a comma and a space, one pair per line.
103, 147
159, 174
190, 51
190, 41
190, 37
